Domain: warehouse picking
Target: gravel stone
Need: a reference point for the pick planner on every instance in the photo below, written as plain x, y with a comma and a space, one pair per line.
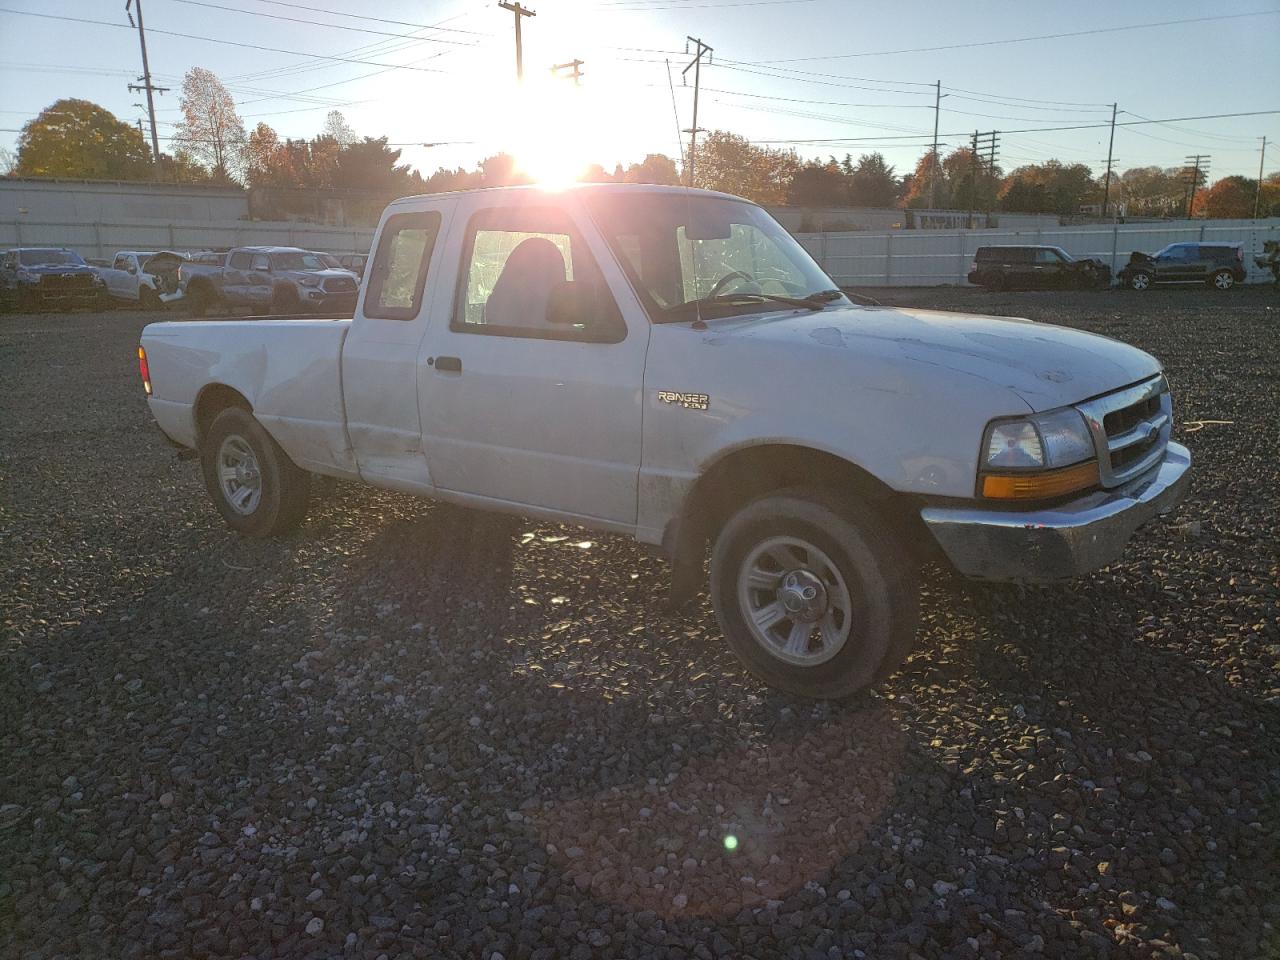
408, 729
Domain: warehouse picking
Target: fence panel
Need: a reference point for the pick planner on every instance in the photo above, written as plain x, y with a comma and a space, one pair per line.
935, 257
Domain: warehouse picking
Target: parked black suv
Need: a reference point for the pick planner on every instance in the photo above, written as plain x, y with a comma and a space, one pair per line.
1220, 265
1003, 268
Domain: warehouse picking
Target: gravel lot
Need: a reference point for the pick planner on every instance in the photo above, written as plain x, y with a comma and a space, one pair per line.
411, 730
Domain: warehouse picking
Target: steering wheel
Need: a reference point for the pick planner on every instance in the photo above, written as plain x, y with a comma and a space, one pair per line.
735, 275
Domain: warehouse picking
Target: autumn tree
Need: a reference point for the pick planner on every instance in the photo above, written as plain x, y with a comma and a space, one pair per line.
928, 184
337, 129
971, 184
654, 168
725, 161
211, 132
7, 161
76, 138
1231, 198
1151, 191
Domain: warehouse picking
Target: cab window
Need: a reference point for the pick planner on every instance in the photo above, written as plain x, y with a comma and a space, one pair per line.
519, 262
398, 276
261, 262
122, 263
240, 260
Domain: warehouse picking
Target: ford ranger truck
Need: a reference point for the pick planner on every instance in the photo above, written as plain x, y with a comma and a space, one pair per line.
670, 364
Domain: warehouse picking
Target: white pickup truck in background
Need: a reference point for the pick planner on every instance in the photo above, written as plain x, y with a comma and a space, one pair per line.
672, 365
147, 278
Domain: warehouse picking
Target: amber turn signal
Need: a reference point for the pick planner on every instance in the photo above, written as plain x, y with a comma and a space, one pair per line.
144, 370
1041, 485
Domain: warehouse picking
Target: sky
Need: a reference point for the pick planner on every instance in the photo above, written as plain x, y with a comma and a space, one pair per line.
826, 77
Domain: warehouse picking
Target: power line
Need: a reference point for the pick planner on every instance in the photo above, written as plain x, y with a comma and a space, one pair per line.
317, 23
1078, 126
520, 13
1045, 36
230, 43
364, 16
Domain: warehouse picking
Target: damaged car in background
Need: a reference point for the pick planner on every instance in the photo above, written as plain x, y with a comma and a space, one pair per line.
35, 278
148, 279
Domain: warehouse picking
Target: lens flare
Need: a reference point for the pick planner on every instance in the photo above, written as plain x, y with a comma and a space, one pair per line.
731, 842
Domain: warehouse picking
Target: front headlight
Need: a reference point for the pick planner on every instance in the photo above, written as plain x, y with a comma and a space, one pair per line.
309, 281
1042, 456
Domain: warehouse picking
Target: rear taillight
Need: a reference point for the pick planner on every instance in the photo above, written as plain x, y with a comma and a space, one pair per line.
144, 370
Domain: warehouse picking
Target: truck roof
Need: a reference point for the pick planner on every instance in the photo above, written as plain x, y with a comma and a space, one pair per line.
624, 188
269, 249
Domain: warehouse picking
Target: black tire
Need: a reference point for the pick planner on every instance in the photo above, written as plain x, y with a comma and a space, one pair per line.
199, 299
1222, 280
285, 301
285, 490
1140, 280
881, 579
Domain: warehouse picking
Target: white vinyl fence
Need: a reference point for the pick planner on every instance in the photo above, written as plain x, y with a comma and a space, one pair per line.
104, 239
908, 258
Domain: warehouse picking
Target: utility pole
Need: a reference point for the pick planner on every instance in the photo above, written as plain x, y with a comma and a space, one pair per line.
569, 71
1106, 188
933, 158
982, 143
695, 65
521, 13
1257, 194
144, 81
1194, 174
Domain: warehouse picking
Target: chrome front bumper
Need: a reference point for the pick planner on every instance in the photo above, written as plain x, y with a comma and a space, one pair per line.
1061, 541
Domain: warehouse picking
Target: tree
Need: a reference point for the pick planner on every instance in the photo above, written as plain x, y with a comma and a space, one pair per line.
1230, 198
76, 138
1049, 187
372, 165
972, 185
264, 158
211, 132
916, 185
337, 128
818, 184
7, 161
872, 183
654, 168
1151, 191
725, 161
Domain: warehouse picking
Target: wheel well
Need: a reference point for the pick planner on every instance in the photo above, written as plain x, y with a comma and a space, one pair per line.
212, 401
746, 474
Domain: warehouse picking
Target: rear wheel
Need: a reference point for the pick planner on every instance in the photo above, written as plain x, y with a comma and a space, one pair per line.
815, 596
1140, 280
258, 490
1223, 280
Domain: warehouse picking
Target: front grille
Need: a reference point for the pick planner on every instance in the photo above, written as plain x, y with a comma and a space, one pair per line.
66, 281
339, 285
1130, 429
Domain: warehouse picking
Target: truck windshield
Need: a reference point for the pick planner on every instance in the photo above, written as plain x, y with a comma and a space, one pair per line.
296, 261
49, 258
697, 255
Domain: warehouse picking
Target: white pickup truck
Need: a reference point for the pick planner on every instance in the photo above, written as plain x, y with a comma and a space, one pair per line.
671, 364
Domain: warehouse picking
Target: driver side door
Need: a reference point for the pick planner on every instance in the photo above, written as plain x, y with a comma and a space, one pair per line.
520, 410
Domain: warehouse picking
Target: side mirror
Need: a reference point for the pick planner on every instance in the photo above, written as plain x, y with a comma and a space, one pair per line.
587, 308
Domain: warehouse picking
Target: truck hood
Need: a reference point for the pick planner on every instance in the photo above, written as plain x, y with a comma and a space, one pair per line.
1046, 366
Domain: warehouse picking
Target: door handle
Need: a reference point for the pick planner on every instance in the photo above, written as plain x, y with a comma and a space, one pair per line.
449, 364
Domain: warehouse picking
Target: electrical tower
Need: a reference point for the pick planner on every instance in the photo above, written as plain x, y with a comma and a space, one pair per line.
984, 148
1196, 173
144, 81
569, 71
700, 49
520, 13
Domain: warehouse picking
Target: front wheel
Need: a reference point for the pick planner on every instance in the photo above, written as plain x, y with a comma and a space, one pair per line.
815, 596
258, 490
1140, 280
1223, 280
